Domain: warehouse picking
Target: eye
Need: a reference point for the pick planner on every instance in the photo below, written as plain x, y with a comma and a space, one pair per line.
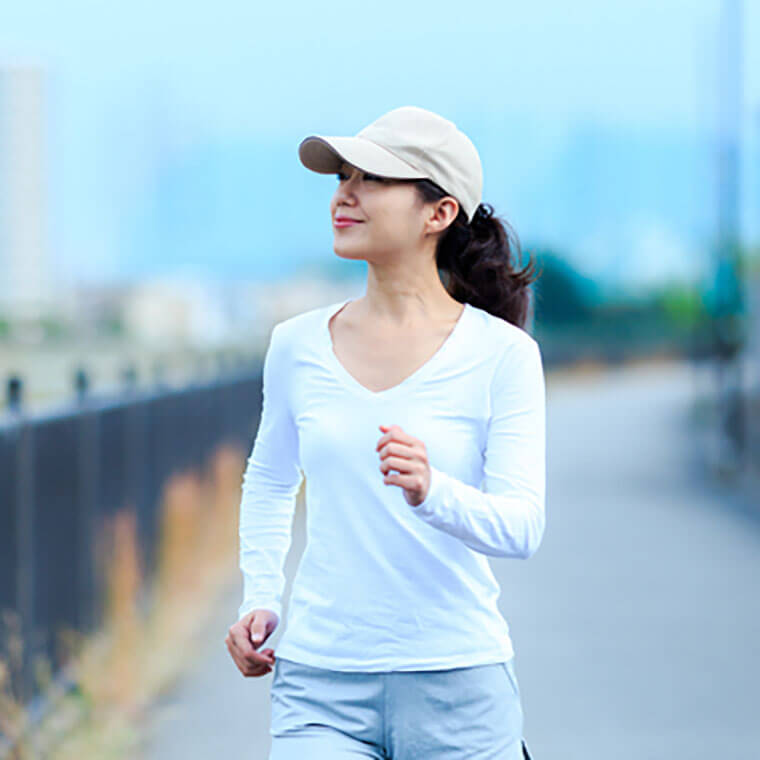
366, 176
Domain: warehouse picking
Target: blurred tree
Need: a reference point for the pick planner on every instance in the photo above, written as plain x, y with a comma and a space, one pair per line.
680, 303
53, 327
563, 295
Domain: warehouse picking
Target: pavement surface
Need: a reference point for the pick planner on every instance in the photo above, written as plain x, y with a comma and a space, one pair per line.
636, 625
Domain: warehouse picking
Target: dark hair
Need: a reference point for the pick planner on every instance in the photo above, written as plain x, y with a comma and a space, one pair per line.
476, 259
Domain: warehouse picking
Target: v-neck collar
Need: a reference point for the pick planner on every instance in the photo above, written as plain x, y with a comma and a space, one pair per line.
350, 382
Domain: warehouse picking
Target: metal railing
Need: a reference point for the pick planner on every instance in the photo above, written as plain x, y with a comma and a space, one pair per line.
63, 474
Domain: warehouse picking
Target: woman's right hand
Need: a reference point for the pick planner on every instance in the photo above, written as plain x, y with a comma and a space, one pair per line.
246, 636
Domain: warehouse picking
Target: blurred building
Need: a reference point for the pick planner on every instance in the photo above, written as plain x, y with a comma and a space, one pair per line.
176, 312
25, 272
188, 312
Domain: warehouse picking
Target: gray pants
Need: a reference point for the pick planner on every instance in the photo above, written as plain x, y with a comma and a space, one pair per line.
472, 712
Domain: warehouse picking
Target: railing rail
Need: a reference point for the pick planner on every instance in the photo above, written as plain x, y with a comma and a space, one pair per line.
64, 472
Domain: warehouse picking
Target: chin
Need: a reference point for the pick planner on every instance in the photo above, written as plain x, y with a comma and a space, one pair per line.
348, 252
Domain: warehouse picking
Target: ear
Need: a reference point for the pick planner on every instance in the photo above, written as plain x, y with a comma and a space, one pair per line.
441, 214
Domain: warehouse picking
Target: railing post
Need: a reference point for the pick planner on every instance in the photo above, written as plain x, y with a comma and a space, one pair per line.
129, 378
90, 587
159, 373
81, 385
14, 393
23, 502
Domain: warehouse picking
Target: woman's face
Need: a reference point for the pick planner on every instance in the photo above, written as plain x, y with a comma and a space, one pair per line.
390, 215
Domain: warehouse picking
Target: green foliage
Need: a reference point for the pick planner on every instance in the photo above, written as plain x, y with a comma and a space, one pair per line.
562, 295
680, 304
53, 328
111, 326
577, 317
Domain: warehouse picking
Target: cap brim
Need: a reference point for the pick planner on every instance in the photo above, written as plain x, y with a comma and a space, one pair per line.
325, 155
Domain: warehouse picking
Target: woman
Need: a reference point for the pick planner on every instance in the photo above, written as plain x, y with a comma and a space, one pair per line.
416, 414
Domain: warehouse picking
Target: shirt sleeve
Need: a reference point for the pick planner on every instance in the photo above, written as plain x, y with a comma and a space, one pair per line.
507, 517
271, 482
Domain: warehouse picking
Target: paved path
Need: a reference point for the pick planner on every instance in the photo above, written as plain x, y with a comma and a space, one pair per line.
636, 624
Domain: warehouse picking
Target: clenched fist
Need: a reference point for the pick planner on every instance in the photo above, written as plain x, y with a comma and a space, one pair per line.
246, 636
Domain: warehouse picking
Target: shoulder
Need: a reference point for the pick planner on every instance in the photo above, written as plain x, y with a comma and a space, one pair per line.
500, 339
512, 361
301, 327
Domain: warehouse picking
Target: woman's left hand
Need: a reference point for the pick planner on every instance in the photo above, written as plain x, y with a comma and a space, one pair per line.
408, 456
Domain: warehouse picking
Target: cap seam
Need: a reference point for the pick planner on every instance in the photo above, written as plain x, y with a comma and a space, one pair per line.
388, 150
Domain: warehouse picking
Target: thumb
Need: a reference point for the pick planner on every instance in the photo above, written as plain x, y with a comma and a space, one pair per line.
258, 631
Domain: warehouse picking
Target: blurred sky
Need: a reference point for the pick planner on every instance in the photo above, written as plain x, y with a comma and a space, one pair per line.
174, 127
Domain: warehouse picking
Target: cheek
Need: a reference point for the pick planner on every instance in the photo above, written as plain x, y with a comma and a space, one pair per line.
393, 214
389, 226
403, 217
399, 224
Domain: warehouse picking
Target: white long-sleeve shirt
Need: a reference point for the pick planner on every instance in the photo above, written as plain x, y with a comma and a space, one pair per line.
383, 585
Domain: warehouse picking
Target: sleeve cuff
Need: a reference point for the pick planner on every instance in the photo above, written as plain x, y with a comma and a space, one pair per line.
268, 604
427, 507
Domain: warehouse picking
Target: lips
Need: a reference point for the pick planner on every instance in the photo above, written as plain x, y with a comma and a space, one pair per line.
346, 221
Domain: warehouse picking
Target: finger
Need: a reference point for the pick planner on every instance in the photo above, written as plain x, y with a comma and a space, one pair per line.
400, 443
396, 463
253, 657
398, 449
260, 630
405, 481
263, 655
259, 658
395, 433
253, 668
257, 636
258, 665
241, 641
256, 670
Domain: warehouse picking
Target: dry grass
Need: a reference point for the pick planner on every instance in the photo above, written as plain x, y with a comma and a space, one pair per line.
138, 654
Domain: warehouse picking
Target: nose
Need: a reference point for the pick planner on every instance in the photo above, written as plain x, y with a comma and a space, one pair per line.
344, 192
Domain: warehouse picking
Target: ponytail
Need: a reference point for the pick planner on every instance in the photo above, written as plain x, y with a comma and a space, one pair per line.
476, 259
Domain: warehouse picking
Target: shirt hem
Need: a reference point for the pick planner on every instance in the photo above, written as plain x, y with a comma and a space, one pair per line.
367, 665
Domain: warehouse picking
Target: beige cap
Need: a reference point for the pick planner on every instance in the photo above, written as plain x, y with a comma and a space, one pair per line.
405, 143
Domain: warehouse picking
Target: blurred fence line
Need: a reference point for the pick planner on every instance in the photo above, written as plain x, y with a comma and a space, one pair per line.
63, 474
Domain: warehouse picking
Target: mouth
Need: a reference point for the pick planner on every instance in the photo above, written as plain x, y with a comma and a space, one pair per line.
344, 221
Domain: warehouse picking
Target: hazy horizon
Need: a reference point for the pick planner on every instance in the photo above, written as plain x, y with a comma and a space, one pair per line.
172, 135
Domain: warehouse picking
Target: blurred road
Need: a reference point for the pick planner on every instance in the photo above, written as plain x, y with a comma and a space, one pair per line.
636, 624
